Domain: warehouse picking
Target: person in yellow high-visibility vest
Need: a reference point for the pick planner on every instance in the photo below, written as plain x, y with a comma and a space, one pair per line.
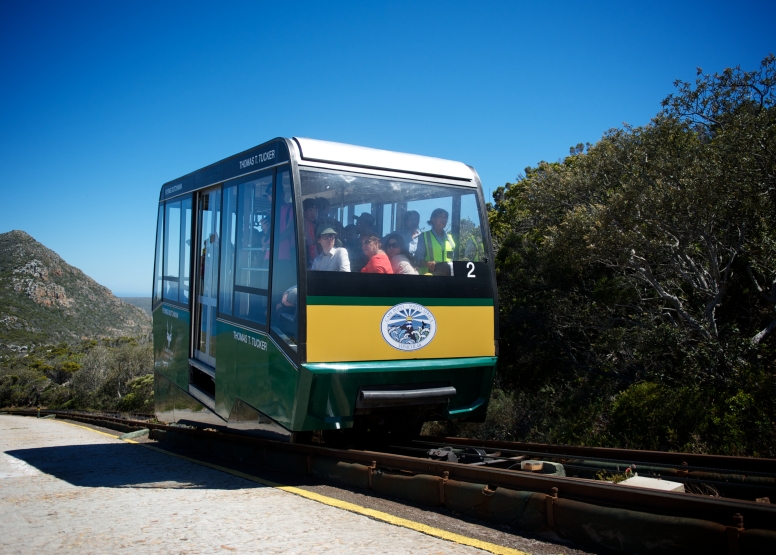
435, 245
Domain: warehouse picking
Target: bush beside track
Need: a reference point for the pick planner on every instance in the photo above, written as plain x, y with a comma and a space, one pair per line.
637, 282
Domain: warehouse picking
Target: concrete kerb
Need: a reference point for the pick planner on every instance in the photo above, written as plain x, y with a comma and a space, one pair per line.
612, 529
135, 434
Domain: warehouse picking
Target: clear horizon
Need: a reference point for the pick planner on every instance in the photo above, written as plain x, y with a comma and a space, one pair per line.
106, 102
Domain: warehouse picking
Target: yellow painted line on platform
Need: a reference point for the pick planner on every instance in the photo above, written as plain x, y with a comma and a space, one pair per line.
86, 428
344, 505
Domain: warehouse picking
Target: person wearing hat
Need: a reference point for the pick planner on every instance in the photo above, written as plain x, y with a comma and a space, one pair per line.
331, 259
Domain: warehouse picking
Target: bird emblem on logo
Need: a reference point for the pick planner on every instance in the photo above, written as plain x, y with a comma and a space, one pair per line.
408, 326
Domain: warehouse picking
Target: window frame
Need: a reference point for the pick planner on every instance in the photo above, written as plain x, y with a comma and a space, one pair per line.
236, 182
181, 246
168, 251
455, 209
157, 297
298, 354
186, 249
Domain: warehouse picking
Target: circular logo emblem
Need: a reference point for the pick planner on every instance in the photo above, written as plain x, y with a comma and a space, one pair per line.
408, 327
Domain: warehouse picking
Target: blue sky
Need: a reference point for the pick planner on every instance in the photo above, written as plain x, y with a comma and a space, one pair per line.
103, 102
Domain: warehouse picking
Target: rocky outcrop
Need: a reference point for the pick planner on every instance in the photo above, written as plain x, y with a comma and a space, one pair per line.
32, 281
44, 299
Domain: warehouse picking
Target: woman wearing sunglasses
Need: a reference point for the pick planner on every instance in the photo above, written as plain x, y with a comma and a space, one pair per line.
401, 259
373, 250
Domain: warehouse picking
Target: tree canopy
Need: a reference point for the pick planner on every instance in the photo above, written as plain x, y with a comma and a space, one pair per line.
637, 278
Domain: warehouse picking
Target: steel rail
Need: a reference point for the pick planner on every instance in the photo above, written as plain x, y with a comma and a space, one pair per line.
662, 458
571, 459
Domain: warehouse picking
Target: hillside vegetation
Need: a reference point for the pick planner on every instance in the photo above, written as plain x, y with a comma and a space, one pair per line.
637, 281
110, 374
44, 300
63, 336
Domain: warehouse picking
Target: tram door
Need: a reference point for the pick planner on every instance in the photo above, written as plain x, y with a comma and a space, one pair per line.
205, 302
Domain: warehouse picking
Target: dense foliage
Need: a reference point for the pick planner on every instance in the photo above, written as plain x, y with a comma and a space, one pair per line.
111, 374
637, 281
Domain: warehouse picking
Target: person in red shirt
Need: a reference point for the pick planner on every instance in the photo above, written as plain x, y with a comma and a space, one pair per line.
379, 263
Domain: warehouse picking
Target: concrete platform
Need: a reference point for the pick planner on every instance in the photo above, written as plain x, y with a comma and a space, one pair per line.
66, 489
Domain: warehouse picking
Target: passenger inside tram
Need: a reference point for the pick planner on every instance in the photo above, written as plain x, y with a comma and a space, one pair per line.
436, 245
385, 208
331, 258
410, 230
265, 237
402, 261
286, 310
351, 244
378, 261
327, 216
365, 223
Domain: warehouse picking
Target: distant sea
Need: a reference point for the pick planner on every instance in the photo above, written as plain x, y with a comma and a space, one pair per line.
140, 302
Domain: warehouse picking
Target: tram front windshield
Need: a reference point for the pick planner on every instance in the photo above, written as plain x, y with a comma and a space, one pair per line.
388, 226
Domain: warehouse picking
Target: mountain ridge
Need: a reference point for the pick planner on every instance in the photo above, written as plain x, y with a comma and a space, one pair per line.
43, 299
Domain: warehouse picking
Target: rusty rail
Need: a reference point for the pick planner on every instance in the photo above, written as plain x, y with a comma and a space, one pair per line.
665, 458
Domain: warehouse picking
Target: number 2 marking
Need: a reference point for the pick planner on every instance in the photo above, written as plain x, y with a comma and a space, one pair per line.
470, 267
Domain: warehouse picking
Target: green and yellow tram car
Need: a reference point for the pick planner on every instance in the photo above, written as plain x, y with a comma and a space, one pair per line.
306, 285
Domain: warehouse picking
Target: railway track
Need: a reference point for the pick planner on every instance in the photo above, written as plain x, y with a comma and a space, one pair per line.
745, 478
492, 488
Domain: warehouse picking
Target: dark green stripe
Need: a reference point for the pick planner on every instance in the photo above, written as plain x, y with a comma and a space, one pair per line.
391, 301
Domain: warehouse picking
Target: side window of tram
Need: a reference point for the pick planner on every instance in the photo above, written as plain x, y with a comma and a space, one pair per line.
185, 246
172, 240
229, 240
421, 229
247, 233
177, 254
158, 275
285, 314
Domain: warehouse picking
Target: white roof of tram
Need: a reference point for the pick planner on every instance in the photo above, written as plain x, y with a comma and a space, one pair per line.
351, 155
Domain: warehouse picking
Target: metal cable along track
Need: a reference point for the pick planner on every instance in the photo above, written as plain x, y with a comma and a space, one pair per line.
590, 512
664, 458
624, 462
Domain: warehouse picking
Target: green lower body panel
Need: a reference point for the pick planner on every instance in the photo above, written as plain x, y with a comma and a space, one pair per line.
327, 394
171, 343
252, 368
174, 404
